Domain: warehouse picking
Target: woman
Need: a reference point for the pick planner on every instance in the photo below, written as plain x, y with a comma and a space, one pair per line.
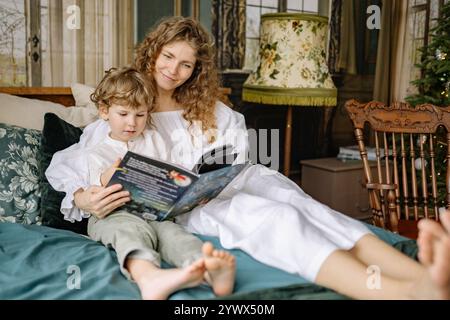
261, 211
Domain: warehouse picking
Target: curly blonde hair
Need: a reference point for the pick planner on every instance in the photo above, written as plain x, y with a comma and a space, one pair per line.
199, 94
126, 86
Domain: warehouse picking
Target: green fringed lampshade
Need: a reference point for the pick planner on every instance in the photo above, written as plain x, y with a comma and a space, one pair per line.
292, 68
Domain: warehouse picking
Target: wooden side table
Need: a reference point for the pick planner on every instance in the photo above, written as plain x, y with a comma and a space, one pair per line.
338, 184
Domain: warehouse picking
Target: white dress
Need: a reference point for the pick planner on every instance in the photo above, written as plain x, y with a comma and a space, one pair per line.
261, 211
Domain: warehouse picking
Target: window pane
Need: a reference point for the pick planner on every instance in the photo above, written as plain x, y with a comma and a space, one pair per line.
294, 4
419, 28
254, 2
434, 12
417, 44
251, 54
268, 10
311, 5
252, 23
270, 3
12, 43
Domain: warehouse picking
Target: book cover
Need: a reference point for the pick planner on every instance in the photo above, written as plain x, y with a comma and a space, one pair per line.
161, 190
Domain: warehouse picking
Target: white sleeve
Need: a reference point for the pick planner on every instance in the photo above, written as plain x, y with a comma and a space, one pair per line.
68, 171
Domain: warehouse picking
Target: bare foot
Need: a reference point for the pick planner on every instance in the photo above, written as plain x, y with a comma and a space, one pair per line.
220, 269
159, 284
434, 253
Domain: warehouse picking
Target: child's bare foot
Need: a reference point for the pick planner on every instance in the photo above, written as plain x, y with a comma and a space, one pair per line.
220, 269
159, 284
434, 253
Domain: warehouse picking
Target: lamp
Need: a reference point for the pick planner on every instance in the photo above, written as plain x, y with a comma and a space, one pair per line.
292, 67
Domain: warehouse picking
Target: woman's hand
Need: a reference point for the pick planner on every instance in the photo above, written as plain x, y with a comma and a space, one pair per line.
101, 201
106, 176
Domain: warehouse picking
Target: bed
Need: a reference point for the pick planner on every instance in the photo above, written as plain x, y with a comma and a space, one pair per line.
38, 261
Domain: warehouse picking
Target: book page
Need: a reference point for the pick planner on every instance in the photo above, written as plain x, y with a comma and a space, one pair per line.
207, 187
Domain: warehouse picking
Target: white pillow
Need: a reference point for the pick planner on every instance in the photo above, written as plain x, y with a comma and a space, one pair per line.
82, 95
29, 113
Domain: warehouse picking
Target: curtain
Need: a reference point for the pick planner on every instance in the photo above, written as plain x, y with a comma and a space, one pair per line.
335, 36
228, 29
105, 39
393, 65
347, 47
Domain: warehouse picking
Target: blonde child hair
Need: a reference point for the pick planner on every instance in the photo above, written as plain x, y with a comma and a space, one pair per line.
126, 87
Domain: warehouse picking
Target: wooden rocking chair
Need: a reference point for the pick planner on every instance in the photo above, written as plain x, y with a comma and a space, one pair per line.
405, 188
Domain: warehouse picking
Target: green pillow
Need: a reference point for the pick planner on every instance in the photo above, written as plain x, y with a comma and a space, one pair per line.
19, 184
56, 135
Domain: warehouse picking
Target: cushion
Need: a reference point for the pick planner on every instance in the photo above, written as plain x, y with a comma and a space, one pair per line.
57, 135
82, 95
19, 195
29, 113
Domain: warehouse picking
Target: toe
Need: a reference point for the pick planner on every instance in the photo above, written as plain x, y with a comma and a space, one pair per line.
445, 220
208, 248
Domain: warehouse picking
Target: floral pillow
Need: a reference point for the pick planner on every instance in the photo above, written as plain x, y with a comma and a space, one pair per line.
19, 174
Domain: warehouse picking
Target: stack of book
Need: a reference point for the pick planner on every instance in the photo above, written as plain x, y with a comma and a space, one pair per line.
352, 153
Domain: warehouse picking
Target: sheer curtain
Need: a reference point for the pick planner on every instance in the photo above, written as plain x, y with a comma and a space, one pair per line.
392, 74
104, 39
346, 60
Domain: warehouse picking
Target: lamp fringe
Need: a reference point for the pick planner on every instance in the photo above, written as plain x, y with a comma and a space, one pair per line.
289, 100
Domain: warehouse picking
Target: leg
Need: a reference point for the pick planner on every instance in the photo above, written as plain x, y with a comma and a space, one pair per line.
432, 280
434, 252
274, 233
345, 274
175, 245
220, 269
158, 284
134, 242
372, 251
180, 247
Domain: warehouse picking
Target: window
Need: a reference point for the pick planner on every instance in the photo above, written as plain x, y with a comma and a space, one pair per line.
56, 43
256, 8
150, 12
422, 18
12, 43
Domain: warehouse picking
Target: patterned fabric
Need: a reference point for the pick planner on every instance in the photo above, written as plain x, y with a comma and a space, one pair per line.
19, 174
292, 52
293, 68
228, 28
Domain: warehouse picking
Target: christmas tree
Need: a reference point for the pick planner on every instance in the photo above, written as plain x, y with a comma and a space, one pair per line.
434, 84
433, 87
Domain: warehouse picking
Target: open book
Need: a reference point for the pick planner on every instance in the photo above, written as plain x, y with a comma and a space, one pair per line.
162, 190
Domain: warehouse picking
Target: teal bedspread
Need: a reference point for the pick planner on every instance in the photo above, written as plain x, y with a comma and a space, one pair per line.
38, 262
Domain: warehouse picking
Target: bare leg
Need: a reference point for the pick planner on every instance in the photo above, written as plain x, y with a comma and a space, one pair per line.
157, 284
220, 269
434, 252
345, 274
372, 251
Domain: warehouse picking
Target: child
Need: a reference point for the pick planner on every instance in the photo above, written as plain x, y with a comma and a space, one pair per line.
122, 98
